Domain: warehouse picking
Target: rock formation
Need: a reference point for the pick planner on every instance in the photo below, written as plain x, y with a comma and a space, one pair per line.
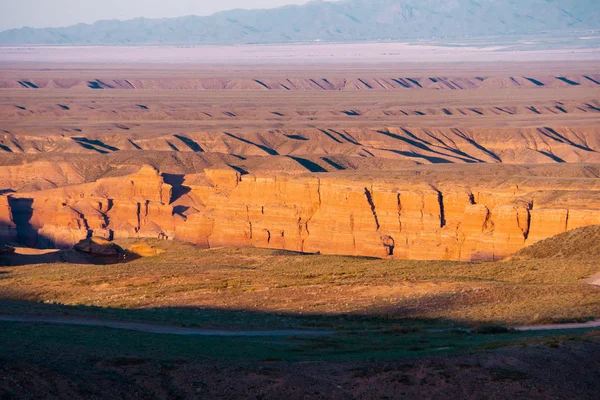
98, 247
433, 215
8, 229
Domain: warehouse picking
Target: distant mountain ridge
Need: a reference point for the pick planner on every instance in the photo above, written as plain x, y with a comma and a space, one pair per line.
346, 20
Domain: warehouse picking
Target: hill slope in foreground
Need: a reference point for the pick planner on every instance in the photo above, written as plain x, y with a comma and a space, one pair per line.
392, 321
346, 20
579, 243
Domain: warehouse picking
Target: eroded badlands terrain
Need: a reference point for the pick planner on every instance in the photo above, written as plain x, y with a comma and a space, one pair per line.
457, 161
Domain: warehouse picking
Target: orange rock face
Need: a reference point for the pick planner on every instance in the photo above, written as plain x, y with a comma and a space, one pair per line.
131, 206
8, 229
405, 216
381, 217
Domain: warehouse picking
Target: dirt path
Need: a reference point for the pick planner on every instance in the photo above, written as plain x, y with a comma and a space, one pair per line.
582, 325
154, 328
594, 280
175, 330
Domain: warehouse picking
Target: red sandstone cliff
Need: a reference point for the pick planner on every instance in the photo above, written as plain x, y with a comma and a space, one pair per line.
404, 214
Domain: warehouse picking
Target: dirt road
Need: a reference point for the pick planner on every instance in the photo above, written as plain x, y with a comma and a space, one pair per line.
175, 330
155, 328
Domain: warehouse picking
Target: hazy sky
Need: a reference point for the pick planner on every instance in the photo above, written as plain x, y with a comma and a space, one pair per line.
51, 13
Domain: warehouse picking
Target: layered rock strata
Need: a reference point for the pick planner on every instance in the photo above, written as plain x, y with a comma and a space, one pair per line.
409, 215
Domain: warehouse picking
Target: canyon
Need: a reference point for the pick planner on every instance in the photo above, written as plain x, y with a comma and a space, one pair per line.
470, 164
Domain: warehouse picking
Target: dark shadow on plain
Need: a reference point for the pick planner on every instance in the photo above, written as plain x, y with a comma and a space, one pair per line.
264, 148
552, 156
241, 170
195, 147
90, 147
297, 137
262, 84
412, 154
134, 144
554, 135
593, 107
346, 136
309, 165
94, 144
333, 163
172, 146
463, 135
330, 136
28, 85
591, 80
566, 80
534, 81
421, 144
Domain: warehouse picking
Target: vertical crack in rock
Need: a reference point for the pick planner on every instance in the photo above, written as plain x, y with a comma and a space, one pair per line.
249, 222
319, 190
110, 204
83, 219
105, 219
400, 212
460, 240
139, 211
369, 197
86, 226
527, 227
472, 199
442, 209
486, 221
300, 239
352, 231
529, 208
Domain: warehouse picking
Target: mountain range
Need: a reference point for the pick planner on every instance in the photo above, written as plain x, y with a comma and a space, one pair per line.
342, 21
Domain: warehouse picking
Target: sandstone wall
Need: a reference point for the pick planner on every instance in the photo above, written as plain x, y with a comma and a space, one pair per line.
418, 217
8, 229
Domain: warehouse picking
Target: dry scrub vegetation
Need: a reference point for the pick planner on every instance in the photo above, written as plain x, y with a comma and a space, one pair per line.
520, 291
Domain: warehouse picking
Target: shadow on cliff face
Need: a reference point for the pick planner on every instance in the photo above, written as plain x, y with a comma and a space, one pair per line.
176, 181
22, 211
28, 236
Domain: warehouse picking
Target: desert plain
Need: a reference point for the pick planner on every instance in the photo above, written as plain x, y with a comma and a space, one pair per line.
337, 226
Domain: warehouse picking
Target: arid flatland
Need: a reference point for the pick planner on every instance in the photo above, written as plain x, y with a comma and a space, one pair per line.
408, 214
